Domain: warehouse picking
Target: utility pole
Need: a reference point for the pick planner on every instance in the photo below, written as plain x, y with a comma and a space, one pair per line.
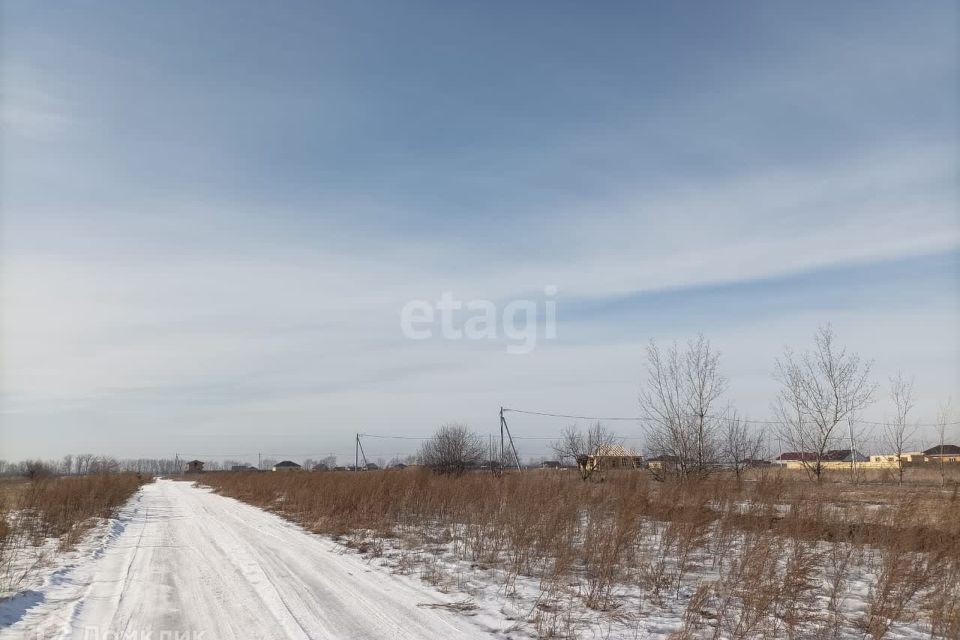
853, 451
491, 456
259, 462
356, 454
505, 427
362, 453
502, 423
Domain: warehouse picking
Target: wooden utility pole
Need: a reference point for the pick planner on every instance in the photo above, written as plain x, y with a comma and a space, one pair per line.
502, 423
363, 454
505, 428
853, 451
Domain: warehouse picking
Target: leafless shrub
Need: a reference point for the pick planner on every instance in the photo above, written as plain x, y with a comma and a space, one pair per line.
794, 608
605, 545
696, 617
740, 445
453, 449
902, 576
943, 601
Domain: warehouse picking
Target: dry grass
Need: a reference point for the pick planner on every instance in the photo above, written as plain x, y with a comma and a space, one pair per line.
779, 553
59, 508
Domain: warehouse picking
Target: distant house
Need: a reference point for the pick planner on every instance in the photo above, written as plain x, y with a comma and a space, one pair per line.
287, 465
609, 456
835, 458
845, 455
551, 464
663, 463
372, 466
616, 456
320, 467
945, 453
194, 466
242, 467
398, 465
798, 457
893, 461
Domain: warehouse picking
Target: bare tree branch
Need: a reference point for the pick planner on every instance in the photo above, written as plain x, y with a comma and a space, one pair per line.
677, 402
898, 432
818, 390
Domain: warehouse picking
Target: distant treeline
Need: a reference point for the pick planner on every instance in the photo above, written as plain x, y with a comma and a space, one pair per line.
88, 463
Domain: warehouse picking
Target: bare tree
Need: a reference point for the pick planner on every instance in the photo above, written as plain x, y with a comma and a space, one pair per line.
898, 432
943, 417
103, 464
741, 445
818, 390
577, 446
677, 403
83, 463
453, 449
36, 469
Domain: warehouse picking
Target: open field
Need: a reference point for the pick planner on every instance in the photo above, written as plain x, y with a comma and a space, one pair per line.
775, 556
534, 554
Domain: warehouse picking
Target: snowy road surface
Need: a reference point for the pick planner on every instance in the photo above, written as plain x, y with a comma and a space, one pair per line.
186, 563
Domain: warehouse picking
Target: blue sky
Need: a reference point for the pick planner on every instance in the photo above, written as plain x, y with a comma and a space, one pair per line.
212, 215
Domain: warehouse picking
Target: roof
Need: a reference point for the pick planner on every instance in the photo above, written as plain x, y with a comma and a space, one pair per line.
287, 463
615, 451
944, 450
797, 456
195, 462
664, 458
834, 455
844, 455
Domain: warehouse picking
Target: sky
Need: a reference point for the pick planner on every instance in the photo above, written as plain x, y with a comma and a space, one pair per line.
212, 216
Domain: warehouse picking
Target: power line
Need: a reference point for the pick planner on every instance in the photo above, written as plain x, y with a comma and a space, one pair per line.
563, 415
715, 417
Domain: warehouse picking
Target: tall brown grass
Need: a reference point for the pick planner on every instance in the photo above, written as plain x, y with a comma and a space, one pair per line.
50, 507
780, 552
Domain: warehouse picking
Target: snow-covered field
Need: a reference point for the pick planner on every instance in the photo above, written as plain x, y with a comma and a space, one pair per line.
837, 596
182, 562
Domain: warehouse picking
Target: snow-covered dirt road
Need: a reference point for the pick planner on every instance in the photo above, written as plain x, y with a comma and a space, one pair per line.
182, 562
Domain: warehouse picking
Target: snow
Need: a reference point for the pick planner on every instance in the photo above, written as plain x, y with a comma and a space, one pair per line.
180, 561
535, 605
